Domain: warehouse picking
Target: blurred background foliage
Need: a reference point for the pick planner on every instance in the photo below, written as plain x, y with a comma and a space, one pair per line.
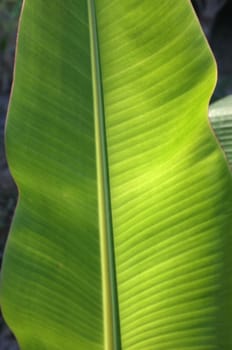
9, 13
215, 17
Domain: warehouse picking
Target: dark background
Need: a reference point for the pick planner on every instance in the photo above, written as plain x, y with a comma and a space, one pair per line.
216, 20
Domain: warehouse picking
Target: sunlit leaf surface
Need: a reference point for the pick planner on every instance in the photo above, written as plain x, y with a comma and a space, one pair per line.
122, 233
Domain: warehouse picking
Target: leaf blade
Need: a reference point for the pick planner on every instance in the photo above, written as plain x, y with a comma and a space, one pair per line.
170, 186
58, 295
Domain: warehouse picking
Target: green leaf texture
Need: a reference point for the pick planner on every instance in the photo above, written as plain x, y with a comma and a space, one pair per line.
220, 114
122, 234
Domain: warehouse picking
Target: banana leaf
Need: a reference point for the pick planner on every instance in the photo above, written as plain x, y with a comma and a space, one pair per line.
122, 233
220, 113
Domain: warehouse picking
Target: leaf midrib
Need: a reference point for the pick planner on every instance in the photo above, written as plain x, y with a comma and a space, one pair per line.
112, 339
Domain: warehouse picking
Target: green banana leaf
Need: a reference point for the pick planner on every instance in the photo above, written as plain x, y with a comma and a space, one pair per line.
220, 114
122, 233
